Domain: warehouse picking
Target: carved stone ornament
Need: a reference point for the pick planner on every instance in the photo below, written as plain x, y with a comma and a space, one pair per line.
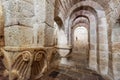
24, 64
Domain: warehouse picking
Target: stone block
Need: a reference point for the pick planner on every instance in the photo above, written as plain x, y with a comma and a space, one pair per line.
18, 36
26, 9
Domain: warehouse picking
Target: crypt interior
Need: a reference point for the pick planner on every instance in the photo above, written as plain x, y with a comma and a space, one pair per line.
59, 39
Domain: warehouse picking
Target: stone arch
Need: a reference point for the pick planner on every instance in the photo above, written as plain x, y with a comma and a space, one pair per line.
80, 20
59, 21
102, 31
78, 29
80, 43
61, 38
77, 26
88, 5
92, 28
92, 40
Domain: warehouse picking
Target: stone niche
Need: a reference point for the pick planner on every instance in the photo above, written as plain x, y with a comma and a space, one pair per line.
17, 36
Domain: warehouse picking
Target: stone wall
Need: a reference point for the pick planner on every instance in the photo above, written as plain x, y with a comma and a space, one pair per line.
113, 13
116, 51
27, 23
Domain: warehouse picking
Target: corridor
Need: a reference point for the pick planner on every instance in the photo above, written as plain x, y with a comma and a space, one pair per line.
59, 39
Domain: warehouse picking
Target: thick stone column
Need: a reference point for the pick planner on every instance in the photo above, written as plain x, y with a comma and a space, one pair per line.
19, 20
26, 22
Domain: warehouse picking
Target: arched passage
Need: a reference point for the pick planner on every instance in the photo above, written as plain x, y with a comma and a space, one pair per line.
61, 39
80, 39
101, 28
80, 44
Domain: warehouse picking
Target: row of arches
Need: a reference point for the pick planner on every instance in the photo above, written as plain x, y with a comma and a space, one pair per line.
86, 24
85, 28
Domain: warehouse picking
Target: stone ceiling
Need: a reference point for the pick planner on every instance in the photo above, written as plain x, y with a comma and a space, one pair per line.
65, 5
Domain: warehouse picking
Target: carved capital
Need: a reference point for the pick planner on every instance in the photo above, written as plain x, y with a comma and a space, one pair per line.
39, 55
21, 66
26, 55
25, 64
39, 64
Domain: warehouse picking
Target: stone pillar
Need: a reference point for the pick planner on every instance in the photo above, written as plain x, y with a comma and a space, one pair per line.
19, 21
49, 23
44, 25
26, 22
103, 46
116, 51
93, 49
39, 25
116, 62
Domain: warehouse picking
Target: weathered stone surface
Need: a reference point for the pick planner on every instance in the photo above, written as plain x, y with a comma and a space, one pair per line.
30, 23
18, 36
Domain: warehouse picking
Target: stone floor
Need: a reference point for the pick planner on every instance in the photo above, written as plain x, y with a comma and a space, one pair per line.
64, 74
71, 75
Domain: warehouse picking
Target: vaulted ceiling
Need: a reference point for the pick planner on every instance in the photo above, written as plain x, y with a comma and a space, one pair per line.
65, 5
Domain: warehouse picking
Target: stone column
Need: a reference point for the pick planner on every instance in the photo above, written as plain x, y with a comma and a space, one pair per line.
103, 45
44, 25
18, 23
39, 25
116, 51
93, 47
26, 22
49, 29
